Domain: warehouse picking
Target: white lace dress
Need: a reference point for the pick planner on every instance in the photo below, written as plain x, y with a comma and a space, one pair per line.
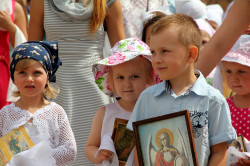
49, 123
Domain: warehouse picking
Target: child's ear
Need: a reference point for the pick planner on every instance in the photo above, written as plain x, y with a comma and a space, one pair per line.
193, 53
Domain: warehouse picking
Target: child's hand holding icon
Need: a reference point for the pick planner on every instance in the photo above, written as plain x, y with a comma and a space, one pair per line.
104, 154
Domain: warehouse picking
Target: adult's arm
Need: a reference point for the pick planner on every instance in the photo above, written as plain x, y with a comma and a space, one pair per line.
36, 30
114, 23
19, 19
233, 26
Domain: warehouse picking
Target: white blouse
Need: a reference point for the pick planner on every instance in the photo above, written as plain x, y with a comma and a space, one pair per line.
51, 122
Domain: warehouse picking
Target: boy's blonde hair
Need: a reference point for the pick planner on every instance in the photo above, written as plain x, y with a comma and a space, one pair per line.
49, 92
143, 64
189, 33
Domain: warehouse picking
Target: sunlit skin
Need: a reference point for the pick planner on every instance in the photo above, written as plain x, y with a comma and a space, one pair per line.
172, 60
129, 81
31, 81
238, 79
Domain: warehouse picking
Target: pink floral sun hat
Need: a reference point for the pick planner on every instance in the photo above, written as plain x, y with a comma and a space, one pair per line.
240, 53
122, 51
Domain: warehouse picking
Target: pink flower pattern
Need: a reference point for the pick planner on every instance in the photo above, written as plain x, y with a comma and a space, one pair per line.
116, 59
98, 74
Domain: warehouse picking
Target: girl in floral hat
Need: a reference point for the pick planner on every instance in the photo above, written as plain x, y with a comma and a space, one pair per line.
236, 65
32, 70
124, 74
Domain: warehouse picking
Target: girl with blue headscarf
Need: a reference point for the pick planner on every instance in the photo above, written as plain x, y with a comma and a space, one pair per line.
32, 69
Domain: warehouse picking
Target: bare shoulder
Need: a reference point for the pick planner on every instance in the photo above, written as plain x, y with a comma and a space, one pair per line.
100, 113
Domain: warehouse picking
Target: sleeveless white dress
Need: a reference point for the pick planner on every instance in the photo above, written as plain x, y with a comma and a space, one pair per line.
79, 95
113, 111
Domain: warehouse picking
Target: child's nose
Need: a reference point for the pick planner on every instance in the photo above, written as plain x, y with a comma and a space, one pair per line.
157, 59
30, 78
235, 77
128, 82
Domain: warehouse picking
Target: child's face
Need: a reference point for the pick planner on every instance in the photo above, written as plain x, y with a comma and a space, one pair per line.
30, 81
205, 38
238, 77
169, 55
129, 80
213, 24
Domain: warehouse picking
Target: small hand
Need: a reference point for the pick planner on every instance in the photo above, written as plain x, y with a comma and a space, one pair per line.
243, 162
104, 154
5, 21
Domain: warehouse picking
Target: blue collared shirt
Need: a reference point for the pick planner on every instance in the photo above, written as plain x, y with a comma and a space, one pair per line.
208, 109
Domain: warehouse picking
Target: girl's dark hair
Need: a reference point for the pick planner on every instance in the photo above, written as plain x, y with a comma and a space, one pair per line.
157, 15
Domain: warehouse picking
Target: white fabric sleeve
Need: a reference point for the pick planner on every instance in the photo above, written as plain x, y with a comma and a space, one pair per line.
19, 37
65, 152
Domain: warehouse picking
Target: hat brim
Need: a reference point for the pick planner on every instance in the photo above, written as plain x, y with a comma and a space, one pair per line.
101, 69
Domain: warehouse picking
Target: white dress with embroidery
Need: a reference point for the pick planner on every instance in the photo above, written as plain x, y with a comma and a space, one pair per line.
50, 124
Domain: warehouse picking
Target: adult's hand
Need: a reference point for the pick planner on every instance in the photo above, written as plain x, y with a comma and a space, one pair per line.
6, 22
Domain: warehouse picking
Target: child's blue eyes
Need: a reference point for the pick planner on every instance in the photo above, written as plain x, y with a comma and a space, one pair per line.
119, 77
38, 72
133, 77
239, 71
35, 73
164, 51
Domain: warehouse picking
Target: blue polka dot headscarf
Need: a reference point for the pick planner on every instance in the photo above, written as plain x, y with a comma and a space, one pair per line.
44, 52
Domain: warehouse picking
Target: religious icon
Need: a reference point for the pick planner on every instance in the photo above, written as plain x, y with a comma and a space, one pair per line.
165, 140
124, 140
14, 142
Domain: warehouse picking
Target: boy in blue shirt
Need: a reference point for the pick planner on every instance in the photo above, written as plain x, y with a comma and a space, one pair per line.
175, 42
